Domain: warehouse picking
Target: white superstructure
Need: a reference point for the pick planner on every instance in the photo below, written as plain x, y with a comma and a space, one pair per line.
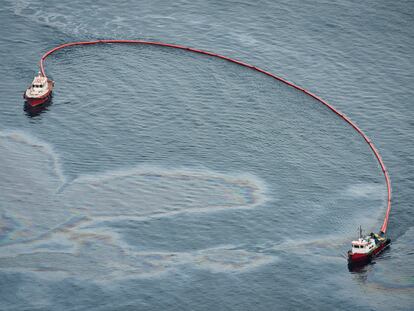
363, 245
38, 88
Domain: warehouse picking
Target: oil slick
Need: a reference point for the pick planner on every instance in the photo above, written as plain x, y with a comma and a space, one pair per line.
61, 230
144, 192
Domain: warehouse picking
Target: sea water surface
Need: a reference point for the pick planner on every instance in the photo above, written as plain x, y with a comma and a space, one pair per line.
159, 179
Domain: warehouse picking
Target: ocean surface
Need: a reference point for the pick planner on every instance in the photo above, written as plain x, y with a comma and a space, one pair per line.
160, 179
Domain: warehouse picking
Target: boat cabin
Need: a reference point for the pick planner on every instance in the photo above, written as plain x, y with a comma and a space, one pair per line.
39, 87
39, 82
363, 245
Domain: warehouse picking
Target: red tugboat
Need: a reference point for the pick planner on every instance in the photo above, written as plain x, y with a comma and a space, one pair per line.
367, 247
39, 92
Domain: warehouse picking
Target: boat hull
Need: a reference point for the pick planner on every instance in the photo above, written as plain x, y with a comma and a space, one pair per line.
34, 102
360, 259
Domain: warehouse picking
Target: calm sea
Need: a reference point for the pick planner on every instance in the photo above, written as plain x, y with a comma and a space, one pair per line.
159, 179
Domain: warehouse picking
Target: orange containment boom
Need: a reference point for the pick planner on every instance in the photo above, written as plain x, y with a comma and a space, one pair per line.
181, 47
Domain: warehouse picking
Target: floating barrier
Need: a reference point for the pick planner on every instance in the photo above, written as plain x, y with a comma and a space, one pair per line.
384, 226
